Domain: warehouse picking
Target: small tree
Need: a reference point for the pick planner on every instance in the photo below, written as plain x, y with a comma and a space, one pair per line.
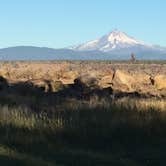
132, 58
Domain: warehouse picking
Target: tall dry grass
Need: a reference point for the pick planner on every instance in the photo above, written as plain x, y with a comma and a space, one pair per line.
96, 125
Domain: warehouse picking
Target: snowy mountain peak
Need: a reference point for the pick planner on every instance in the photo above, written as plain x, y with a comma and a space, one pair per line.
111, 41
118, 36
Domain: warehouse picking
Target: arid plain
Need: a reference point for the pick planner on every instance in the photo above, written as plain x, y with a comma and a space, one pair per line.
83, 112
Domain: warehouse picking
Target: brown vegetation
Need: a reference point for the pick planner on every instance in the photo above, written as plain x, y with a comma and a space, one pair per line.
82, 113
142, 78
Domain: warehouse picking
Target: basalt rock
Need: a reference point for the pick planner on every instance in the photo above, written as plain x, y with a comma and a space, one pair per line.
3, 83
160, 82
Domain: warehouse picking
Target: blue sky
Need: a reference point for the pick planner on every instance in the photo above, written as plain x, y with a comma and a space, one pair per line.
62, 23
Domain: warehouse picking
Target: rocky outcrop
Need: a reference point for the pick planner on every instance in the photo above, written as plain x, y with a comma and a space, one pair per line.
86, 81
3, 83
160, 82
125, 81
106, 81
68, 77
48, 85
122, 81
124, 77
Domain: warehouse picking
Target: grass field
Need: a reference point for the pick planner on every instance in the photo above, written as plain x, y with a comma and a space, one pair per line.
123, 132
66, 129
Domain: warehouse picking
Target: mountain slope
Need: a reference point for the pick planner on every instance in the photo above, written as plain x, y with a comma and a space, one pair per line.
44, 53
114, 45
120, 44
114, 40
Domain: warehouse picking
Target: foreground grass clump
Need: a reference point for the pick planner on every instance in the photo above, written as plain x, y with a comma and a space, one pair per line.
96, 132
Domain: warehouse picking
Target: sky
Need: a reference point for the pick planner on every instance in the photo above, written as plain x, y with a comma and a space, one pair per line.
63, 23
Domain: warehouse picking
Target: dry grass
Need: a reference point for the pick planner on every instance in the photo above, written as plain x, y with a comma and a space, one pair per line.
49, 129
142, 104
97, 125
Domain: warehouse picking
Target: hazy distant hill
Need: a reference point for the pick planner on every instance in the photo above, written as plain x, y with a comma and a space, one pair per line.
114, 45
43, 53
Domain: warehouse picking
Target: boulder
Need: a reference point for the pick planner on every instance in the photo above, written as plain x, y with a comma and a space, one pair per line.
68, 77
160, 81
106, 81
55, 86
3, 83
122, 81
86, 81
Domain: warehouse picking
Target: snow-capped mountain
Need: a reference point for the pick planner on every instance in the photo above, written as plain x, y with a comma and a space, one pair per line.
117, 41
114, 45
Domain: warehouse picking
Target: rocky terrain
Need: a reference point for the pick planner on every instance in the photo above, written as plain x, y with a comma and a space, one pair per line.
83, 113
148, 79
